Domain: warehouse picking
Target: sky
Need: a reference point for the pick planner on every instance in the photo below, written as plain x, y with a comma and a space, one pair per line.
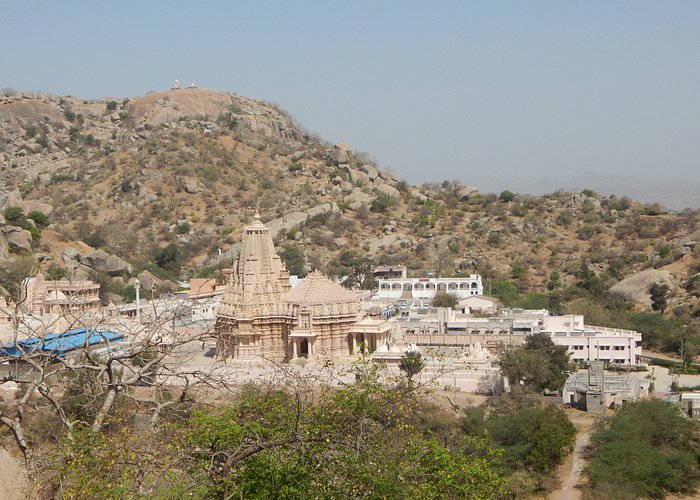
495, 94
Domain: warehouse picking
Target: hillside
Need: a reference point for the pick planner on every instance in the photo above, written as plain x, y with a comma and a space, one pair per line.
164, 182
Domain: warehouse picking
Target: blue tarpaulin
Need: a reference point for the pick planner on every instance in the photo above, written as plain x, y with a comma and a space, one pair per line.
59, 344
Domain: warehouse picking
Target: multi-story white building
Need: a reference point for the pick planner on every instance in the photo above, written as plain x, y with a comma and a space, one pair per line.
588, 343
427, 288
585, 343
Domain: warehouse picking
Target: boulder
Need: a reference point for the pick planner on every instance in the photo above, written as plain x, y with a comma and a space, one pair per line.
357, 198
191, 186
4, 247
18, 240
357, 177
636, 286
390, 240
287, 222
148, 281
466, 193
322, 209
70, 253
371, 171
101, 261
341, 154
388, 190
14, 199
32, 147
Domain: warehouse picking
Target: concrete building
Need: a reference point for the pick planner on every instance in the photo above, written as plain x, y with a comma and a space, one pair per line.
587, 343
690, 404
61, 296
478, 304
389, 272
595, 389
262, 318
426, 288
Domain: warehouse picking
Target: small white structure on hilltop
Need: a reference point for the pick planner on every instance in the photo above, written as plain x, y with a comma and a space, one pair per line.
427, 288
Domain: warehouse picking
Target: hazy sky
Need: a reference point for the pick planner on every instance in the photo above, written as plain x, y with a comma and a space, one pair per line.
495, 94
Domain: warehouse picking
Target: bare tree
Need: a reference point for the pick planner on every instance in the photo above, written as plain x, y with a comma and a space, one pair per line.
88, 360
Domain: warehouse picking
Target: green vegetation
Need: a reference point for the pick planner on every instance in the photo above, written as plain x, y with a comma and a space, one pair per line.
168, 258
443, 299
646, 450
506, 196
534, 436
15, 217
356, 269
658, 293
538, 365
411, 364
355, 441
381, 203
56, 272
294, 259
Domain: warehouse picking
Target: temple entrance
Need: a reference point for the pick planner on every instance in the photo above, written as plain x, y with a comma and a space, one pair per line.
304, 348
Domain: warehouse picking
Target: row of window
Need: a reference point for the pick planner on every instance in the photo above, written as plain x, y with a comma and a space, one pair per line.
429, 286
602, 347
617, 361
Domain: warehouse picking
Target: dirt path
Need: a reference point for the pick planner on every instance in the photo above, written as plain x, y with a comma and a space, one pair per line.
569, 473
13, 478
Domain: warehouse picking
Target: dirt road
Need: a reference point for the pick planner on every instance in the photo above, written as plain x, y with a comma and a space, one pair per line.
569, 473
13, 478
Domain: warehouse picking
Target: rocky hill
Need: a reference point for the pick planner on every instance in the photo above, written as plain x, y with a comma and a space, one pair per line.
162, 184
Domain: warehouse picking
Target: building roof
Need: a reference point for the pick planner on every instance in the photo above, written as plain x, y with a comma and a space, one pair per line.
316, 289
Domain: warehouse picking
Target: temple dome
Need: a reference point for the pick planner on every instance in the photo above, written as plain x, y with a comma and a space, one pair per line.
317, 291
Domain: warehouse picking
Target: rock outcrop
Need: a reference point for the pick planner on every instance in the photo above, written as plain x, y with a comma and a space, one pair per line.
102, 262
636, 286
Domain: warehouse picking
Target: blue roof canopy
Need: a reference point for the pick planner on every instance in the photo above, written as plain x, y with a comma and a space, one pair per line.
59, 344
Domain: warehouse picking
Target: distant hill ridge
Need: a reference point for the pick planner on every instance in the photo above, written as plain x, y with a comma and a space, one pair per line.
166, 181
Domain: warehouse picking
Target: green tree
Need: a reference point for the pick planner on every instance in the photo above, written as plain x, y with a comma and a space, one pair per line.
506, 196
538, 365
294, 259
411, 363
538, 437
443, 299
355, 267
658, 293
381, 203
349, 442
168, 258
646, 450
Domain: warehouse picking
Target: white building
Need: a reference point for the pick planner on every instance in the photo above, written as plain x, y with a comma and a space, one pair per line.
427, 288
481, 304
588, 343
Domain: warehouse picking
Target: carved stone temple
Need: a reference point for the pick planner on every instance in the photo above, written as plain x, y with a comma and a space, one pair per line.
262, 318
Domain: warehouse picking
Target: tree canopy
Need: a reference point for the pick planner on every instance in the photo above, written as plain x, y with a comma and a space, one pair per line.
538, 365
646, 450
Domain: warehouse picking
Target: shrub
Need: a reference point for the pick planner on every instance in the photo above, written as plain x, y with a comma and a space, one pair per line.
445, 300
39, 218
506, 196
381, 203
183, 228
